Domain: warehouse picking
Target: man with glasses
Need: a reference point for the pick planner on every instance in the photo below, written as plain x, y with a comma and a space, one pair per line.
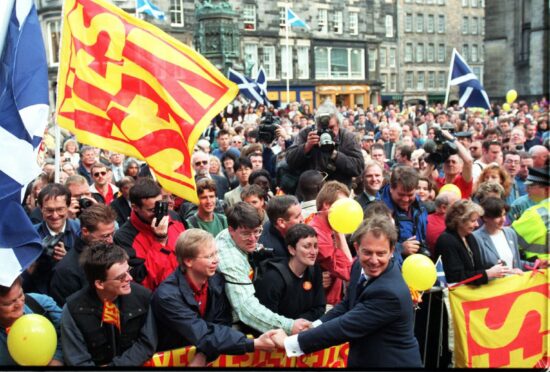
148, 242
237, 245
201, 164
58, 233
108, 322
191, 307
475, 150
511, 165
101, 183
97, 225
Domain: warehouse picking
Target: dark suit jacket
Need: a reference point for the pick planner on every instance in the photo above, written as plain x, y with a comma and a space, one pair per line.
377, 320
122, 209
222, 185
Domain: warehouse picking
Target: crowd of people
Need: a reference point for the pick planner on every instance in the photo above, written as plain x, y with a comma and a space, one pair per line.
258, 256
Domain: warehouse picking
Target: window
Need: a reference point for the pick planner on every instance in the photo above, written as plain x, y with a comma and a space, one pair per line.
482, 26
249, 16
442, 80
419, 23
409, 80
269, 62
286, 62
383, 56
251, 54
431, 80
338, 22
420, 52
282, 17
393, 82
322, 20
54, 33
474, 3
481, 52
392, 57
303, 62
441, 53
176, 13
408, 22
420, 81
465, 3
465, 53
473, 53
465, 24
384, 79
430, 53
474, 26
430, 26
441, 24
339, 63
353, 23
389, 25
408, 52
372, 59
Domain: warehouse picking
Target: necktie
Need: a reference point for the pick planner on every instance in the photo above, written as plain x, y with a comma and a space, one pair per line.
361, 283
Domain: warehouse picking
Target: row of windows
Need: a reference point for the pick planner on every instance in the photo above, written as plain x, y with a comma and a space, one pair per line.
428, 2
427, 23
431, 53
418, 80
473, 26
473, 3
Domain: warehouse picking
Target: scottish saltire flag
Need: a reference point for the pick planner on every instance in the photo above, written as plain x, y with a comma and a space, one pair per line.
147, 7
249, 87
471, 92
441, 280
262, 84
23, 118
293, 20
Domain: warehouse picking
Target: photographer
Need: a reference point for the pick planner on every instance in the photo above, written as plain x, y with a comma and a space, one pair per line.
327, 148
81, 196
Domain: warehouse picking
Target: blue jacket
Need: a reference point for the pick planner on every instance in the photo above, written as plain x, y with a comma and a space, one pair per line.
180, 324
407, 225
488, 251
377, 320
53, 313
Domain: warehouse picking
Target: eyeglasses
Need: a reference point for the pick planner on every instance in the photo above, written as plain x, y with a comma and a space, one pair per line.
122, 277
49, 211
97, 174
249, 234
211, 257
199, 163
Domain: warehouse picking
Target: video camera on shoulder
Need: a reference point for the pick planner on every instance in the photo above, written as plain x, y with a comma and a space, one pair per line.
49, 242
267, 128
440, 148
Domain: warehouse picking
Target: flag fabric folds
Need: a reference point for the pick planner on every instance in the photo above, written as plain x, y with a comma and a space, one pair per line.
255, 90
23, 118
471, 92
126, 86
293, 20
147, 7
441, 280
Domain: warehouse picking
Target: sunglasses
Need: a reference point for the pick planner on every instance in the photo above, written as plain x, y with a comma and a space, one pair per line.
204, 162
97, 174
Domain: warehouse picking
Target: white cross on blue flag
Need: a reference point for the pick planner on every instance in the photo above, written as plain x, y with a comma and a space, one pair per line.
147, 7
23, 117
471, 92
293, 20
255, 90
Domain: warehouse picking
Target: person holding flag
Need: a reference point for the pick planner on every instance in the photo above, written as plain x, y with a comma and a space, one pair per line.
108, 322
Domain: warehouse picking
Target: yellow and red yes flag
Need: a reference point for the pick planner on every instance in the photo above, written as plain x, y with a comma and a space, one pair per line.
124, 85
111, 314
503, 323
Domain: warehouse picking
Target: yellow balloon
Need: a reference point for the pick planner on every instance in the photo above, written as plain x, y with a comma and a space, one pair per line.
511, 96
345, 215
451, 187
379, 108
32, 340
419, 272
506, 107
536, 107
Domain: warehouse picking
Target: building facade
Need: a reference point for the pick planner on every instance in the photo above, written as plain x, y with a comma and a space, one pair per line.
517, 48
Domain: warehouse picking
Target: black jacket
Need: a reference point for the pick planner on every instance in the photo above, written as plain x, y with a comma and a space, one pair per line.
68, 276
180, 324
272, 238
122, 209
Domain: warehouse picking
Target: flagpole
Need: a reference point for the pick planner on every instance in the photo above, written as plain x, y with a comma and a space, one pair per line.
449, 78
287, 57
5, 15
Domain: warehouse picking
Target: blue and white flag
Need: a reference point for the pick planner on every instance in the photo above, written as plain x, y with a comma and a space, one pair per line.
147, 7
262, 84
471, 92
293, 20
441, 280
23, 118
250, 88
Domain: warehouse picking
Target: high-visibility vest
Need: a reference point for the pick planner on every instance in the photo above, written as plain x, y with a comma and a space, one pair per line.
533, 228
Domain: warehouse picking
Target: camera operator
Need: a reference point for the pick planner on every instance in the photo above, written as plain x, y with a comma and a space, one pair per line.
327, 148
269, 130
58, 233
81, 196
457, 164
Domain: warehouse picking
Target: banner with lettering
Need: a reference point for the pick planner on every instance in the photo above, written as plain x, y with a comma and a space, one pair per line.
333, 357
125, 85
503, 323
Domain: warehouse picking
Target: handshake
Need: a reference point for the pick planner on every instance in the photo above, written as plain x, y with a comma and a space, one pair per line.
275, 338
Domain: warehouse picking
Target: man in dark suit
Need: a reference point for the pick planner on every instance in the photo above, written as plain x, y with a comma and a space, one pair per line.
121, 204
377, 315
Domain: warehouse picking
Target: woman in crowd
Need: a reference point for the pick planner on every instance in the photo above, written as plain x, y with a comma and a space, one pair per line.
294, 288
497, 174
215, 166
131, 168
459, 249
70, 152
497, 244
